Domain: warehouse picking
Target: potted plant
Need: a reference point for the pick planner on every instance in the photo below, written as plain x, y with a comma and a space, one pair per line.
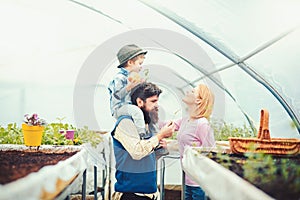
69, 134
32, 129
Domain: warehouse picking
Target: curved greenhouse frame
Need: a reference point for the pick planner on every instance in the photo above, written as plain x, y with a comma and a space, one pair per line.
57, 57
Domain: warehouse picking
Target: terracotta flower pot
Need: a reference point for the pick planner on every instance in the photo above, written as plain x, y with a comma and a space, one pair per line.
32, 135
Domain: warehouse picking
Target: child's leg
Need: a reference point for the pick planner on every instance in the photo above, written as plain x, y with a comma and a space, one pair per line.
136, 114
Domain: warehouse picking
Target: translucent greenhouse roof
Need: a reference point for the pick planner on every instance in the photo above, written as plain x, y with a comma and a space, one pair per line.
57, 57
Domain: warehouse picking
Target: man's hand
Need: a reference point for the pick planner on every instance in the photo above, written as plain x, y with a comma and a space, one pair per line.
166, 131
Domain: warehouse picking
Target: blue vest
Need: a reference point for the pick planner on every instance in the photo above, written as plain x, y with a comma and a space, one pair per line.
134, 176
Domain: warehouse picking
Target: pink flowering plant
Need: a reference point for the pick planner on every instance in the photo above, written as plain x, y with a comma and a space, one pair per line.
34, 120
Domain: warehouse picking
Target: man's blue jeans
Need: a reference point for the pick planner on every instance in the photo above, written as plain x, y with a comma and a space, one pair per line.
194, 193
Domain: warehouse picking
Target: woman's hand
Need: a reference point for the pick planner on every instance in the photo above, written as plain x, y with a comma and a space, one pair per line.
163, 143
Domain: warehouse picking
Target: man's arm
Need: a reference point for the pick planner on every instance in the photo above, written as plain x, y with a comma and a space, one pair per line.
127, 134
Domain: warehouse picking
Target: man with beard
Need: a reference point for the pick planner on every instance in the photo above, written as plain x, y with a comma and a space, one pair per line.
135, 157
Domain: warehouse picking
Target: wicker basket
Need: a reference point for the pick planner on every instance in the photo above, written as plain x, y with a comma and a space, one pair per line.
264, 143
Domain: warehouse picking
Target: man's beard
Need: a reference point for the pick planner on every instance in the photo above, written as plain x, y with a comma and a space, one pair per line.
154, 115
147, 117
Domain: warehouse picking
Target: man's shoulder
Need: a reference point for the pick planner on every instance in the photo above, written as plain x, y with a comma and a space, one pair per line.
123, 125
124, 119
126, 125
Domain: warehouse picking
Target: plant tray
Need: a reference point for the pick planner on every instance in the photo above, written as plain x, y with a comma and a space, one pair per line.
28, 173
264, 143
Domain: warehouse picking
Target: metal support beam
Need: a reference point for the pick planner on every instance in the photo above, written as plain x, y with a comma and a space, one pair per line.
162, 173
95, 182
83, 194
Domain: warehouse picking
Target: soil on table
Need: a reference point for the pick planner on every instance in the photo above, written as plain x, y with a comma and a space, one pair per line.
282, 182
17, 164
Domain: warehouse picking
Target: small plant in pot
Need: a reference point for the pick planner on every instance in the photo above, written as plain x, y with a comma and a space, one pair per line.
33, 128
69, 134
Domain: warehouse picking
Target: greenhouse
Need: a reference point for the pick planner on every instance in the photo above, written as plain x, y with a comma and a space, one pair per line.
57, 61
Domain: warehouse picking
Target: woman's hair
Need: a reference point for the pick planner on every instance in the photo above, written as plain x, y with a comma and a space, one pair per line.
205, 101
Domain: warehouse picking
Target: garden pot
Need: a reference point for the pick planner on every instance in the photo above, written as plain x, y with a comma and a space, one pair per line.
32, 135
69, 134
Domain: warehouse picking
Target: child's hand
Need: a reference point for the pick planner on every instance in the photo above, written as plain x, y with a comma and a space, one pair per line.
134, 77
132, 84
133, 80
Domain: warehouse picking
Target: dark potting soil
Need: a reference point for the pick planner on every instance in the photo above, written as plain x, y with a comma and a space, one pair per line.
280, 181
18, 164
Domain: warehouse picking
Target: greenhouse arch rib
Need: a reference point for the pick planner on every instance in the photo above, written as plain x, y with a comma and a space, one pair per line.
228, 54
208, 75
95, 10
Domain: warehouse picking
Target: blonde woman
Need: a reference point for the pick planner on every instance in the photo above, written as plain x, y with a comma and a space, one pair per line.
195, 130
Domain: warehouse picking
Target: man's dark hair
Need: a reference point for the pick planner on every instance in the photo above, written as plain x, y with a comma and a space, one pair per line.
144, 91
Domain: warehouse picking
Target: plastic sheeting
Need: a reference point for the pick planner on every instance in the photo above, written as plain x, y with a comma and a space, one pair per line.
247, 52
